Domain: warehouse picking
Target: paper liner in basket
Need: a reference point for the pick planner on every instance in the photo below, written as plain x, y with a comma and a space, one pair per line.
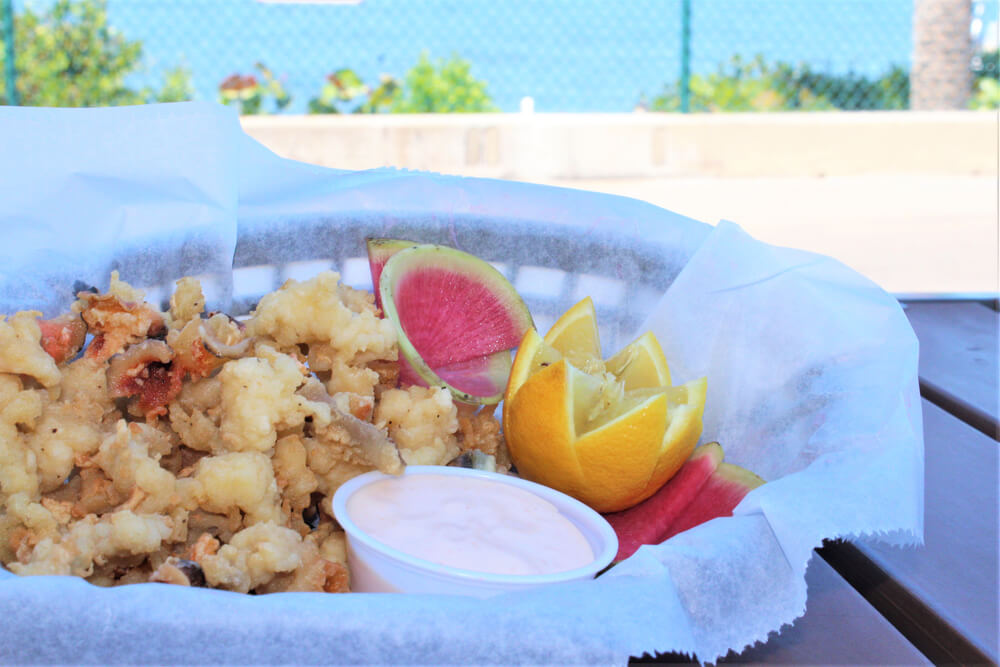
811, 369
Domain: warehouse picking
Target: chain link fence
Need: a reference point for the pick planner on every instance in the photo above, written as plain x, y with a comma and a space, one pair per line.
479, 55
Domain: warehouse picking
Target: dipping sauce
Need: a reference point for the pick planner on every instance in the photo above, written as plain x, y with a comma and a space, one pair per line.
470, 523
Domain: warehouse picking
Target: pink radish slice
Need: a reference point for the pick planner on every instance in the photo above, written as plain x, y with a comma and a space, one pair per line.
482, 376
379, 252
457, 318
452, 317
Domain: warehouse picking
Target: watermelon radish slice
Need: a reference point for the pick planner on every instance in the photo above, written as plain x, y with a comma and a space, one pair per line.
483, 376
379, 252
456, 317
647, 521
718, 497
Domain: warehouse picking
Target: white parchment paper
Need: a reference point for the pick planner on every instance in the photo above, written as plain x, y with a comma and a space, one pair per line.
812, 384
83, 191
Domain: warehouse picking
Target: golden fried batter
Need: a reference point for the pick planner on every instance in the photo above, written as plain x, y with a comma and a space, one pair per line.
194, 449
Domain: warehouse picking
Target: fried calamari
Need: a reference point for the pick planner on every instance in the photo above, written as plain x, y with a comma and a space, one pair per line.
190, 448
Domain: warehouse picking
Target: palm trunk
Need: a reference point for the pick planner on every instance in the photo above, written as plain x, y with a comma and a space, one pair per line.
940, 77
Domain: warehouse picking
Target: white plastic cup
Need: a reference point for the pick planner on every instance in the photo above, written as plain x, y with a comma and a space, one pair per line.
378, 568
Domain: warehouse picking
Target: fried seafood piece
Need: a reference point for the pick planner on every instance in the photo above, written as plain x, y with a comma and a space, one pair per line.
360, 407
205, 545
388, 375
334, 461
75, 424
19, 410
21, 351
258, 399
121, 570
146, 372
333, 467
315, 574
204, 344
180, 461
152, 371
187, 302
346, 448
130, 459
206, 527
337, 453
241, 481
24, 522
92, 541
179, 571
253, 556
369, 442
97, 493
191, 356
343, 374
63, 336
332, 543
295, 480
479, 430
196, 414
422, 421
69, 491
341, 326
117, 319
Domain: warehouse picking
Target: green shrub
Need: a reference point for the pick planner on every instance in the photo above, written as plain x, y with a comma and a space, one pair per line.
444, 86
757, 85
177, 86
68, 56
851, 92
345, 92
986, 64
741, 85
986, 73
249, 93
986, 95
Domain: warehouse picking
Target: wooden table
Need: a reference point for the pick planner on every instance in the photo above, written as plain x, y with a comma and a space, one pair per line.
873, 604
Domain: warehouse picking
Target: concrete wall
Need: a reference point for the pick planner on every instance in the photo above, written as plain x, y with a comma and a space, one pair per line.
543, 147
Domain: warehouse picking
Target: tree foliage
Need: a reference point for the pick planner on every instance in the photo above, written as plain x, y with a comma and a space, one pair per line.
986, 86
442, 86
69, 56
345, 92
756, 85
249, 93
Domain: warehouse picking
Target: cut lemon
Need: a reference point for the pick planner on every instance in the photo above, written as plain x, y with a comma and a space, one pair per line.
576, 337
610, 438
532, 355
641, 364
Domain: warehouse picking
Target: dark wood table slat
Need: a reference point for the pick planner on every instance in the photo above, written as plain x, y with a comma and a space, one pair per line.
959, 368
954, 574
839, 628
931, 634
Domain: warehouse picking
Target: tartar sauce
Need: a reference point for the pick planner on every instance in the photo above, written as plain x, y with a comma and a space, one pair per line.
470, 523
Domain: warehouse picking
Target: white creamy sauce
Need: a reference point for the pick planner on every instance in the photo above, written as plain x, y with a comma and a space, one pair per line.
469, 523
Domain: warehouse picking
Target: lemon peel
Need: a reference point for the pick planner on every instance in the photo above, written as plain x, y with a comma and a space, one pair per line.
608, 433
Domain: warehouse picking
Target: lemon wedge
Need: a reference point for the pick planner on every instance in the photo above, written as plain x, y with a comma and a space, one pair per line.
608, 433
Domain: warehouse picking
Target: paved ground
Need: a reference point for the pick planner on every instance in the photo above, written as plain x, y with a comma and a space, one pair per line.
920, 234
